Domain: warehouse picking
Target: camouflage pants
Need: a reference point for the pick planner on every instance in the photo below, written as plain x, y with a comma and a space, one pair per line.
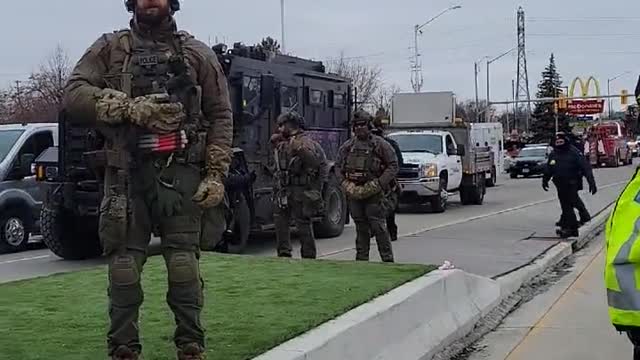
302, 209
164, 206
370, 218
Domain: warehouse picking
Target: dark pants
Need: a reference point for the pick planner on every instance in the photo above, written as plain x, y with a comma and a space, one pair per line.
126, 241
369, 216
301, 217
392, 226
634, 336
568, 196
584, 214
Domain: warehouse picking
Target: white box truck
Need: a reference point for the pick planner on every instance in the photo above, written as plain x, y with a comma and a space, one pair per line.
440, 153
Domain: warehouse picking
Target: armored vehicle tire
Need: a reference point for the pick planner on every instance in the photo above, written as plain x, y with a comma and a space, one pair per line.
237, 242
513, 175
332, 224
14, 236
439, 202
68, 237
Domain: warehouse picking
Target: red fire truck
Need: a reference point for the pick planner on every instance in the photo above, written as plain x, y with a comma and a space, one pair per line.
606, 144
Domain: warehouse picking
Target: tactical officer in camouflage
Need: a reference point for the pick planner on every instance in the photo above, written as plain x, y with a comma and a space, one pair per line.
301, 172
160, 99
394, 196
367, 167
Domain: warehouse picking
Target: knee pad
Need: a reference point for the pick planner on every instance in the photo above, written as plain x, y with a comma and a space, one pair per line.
182, 267
123, 270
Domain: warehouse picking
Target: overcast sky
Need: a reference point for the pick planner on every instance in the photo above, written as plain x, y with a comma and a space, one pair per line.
589, 37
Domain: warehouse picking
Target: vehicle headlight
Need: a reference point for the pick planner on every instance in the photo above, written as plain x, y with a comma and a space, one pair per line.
429, 170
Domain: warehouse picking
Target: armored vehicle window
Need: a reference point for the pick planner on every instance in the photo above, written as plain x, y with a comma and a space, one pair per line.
7, 139
289, 98
339, 101
251, 94
315, 97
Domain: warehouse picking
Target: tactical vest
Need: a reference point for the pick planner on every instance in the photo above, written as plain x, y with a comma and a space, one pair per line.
152, 67
297, 177
622, 270
362, 164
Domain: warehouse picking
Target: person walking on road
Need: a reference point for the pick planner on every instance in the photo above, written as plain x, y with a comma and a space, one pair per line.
141, 87
394, 196
367, 167
623, 263
301, 172
566, 167
583, 212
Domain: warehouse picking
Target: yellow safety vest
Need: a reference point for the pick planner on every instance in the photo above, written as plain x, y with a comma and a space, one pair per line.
622, 269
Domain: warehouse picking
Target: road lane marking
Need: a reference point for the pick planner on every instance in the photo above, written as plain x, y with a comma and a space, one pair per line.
472, 218
24, 259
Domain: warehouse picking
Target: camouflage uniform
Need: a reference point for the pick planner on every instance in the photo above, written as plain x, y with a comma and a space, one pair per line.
367, 169
394, 196
301, 172
166, 191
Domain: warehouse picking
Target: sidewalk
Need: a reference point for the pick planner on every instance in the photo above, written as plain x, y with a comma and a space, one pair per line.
577, 326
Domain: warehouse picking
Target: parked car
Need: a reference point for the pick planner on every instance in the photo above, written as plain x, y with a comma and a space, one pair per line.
21, 196
530, 161
634, 146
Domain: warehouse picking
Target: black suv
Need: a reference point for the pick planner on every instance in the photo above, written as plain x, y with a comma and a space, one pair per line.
530, 161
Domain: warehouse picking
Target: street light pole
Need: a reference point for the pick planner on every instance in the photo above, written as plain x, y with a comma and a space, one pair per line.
475, 70
416, 71
489, 78
284, 51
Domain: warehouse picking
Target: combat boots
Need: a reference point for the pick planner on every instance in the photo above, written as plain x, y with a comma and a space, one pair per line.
191, 351
124, 353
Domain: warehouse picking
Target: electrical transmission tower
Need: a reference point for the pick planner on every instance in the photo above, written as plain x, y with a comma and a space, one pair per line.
522, 84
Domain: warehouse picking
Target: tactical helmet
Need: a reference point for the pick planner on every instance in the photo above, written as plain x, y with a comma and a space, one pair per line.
291, 117
131, 5
362, 117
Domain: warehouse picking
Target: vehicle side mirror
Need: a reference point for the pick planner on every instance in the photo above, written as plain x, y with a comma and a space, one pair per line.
461, 150
267, 91
25, 164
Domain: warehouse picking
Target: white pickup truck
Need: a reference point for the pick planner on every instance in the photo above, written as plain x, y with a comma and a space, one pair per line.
438, 160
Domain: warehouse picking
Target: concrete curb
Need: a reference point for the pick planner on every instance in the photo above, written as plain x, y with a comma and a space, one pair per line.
421, 318
410, 322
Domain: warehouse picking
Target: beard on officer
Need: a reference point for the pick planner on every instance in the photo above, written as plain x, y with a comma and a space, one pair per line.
167, 91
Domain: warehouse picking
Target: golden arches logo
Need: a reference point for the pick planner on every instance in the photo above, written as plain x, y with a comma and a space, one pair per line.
584, 87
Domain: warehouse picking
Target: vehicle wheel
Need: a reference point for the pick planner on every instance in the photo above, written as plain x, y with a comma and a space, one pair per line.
494, 178
439, 203
513, 175
14, 236
335, 203
478, 192
237, 242
617, 160
69, 237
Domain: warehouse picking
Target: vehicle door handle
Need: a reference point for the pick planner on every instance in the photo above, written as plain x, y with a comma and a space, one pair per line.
458, 161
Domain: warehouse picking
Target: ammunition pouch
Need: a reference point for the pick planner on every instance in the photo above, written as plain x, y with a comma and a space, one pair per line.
113, 222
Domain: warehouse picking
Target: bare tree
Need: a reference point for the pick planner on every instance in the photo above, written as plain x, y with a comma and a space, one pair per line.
39, 98
366, 79
383, 98
270, 44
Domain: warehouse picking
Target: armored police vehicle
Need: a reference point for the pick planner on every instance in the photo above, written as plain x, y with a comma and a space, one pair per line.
262, 86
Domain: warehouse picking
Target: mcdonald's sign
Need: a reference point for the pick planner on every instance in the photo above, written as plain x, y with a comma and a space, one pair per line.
585, 107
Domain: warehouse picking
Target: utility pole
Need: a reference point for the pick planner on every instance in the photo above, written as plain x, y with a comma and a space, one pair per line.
515, 108
522, 88
476, 70
284, 51
416, 67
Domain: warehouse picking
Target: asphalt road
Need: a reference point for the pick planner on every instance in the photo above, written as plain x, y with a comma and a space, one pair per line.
513, 226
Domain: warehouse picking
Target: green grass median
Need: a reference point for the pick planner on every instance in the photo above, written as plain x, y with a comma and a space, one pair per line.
252, 304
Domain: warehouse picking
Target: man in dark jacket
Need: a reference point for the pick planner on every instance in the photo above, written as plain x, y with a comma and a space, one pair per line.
566, 166
378, 129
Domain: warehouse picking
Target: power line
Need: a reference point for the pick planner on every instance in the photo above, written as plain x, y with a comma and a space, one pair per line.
584, 19
585, 35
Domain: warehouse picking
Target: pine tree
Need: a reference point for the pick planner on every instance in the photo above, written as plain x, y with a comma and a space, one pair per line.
544, 124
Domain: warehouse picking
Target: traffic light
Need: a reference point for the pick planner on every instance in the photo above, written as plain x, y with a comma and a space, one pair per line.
562, 100
624, 97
